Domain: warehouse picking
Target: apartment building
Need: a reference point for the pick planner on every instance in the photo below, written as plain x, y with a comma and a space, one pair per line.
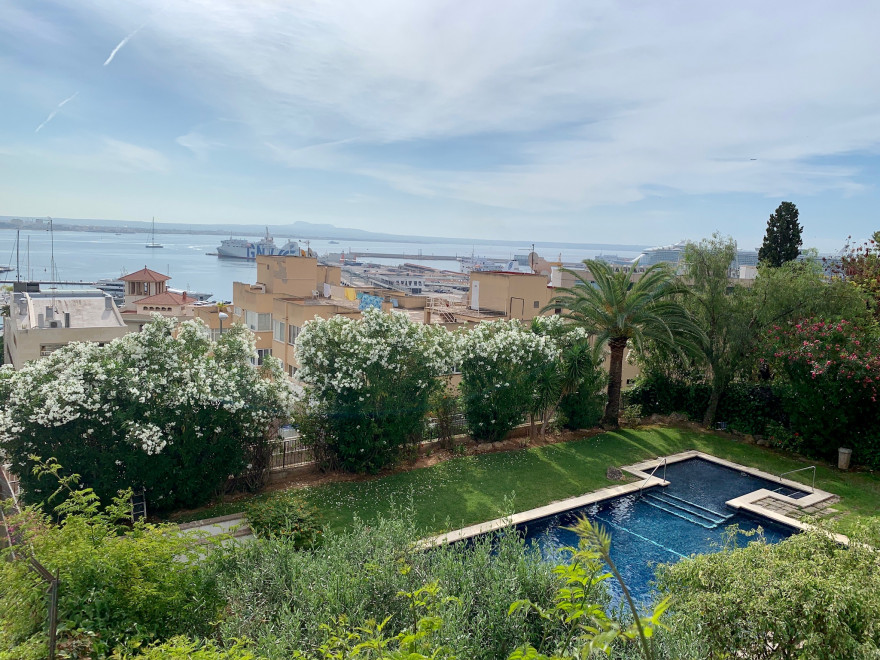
295, 277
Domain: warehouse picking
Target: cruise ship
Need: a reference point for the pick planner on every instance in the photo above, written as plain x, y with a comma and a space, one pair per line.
675, 253
241, 248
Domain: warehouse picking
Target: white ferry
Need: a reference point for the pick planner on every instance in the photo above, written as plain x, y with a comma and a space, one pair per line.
241, 248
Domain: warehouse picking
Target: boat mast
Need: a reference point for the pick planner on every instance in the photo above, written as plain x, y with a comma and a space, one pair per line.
17, 266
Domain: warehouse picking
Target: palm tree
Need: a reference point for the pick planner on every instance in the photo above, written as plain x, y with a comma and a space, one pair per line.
616, 310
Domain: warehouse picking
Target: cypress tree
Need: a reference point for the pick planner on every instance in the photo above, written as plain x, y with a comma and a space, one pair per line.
782, 242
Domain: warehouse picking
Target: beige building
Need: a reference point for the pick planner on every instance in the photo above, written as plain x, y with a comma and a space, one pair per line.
505, 295
42, 322
290, 314
278, 278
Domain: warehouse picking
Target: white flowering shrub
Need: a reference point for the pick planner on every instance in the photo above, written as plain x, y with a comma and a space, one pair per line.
167, 410
571, 388
501, 363
369, 381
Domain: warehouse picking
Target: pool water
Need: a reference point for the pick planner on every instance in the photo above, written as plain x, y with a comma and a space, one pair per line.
663, 524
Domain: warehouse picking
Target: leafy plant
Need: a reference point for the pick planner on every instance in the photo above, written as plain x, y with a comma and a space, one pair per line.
806, 597
445, 408
184, 648
119, 582
586, 625
631, 414
285, 515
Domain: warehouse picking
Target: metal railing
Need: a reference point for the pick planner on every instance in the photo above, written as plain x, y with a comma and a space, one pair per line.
809, 467
645, 482
290, 451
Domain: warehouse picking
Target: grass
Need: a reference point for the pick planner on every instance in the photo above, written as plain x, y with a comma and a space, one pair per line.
471, 489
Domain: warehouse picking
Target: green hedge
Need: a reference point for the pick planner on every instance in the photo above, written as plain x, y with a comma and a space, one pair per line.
745, 407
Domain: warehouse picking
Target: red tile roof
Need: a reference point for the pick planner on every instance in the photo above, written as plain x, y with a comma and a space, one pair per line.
145, 275
166, 298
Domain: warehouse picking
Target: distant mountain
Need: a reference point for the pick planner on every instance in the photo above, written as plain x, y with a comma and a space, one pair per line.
297, 230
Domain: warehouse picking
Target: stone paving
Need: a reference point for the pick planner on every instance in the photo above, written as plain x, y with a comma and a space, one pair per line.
795, 511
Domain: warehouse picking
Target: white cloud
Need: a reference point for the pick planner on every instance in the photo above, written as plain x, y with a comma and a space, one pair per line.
597, 103
119, 155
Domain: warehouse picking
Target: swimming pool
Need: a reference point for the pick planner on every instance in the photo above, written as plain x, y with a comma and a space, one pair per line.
663, 524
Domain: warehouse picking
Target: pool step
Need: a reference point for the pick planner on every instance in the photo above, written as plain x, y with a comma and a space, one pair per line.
697, 508
681, 508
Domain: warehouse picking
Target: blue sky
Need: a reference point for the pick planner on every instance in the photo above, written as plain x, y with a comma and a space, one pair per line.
631, 122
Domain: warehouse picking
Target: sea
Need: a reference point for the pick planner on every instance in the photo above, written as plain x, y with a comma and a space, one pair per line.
90, 256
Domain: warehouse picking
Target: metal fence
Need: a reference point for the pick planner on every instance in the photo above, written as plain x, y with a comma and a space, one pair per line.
9, 486
290, 451
459, 426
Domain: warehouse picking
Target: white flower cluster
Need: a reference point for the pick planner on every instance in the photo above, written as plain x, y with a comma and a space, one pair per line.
493, 344
143, 387
146, 436
344, 355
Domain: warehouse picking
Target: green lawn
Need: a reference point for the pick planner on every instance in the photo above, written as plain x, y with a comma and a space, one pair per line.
472, 489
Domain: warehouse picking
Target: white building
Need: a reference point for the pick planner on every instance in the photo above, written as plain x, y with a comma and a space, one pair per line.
41, 322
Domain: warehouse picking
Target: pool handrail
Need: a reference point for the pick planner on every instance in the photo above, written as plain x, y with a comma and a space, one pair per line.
809, 467
644, 483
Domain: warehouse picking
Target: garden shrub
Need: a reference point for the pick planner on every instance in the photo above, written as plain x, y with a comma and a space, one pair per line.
184, 648
119, 582
828, 373
744, 407
360, 574
284, 515
369, 381
174, 414
445, 409
805, 597
500, 363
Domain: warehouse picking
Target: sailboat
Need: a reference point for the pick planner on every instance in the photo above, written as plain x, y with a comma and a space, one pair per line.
153, 243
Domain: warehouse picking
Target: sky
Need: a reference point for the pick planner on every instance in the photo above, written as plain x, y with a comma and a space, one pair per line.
585, 121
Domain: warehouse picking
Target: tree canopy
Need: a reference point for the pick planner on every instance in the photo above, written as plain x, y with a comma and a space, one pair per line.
620, 309
782, 242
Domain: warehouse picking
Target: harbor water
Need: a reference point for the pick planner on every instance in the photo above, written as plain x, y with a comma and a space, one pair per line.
90, 256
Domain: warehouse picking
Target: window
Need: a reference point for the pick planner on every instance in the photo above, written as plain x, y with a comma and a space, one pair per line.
215, 334
262, 354
278, 330
291, 370
237, 311
292, 333
258, 322
536, 304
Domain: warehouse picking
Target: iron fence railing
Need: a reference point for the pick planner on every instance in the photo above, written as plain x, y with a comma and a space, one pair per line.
290, 451
431, 431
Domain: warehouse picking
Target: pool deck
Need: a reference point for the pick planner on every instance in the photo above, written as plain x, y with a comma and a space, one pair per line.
646, 479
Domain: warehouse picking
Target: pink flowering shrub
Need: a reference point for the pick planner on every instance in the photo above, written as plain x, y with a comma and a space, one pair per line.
828, 374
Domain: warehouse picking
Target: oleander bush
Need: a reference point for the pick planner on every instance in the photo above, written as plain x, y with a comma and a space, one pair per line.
501, 361
166, 410
369, 384
827, 374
